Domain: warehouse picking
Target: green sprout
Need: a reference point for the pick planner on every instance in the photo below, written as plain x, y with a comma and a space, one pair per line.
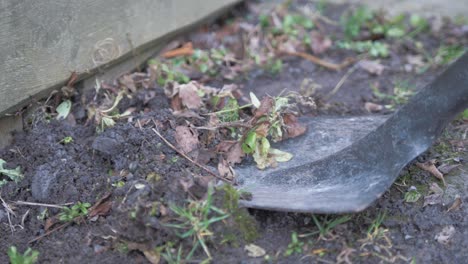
353, 22
66, 140
28, 257
13, 174
295, 246
412, 195
196, 219
69, 214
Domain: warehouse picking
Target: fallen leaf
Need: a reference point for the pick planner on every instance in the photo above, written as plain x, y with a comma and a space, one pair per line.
189, 96
431, 168
254, 100
293, 127
435, 197
63, 109
262, 129
186, 138
372, 66
265, 106
225, 170
153, 256
101, 210
235, 154
319, 42
279, 155
128, 82
456, 204
371, 107
445, 235
254, 251
101, 207
447, 168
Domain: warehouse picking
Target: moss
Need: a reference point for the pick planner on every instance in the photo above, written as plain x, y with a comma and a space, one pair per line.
243, 221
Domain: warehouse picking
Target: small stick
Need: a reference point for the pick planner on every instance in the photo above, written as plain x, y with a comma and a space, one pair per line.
42, 204
226, 124
323, 63
49, 232
9, 212
187, 157
341, 82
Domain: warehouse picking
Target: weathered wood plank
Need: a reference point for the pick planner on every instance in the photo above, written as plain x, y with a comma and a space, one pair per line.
42, 42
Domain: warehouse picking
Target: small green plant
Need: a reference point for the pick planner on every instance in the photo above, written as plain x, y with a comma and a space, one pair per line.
412, 195
66, 140
167, 252
196, 219
402, 91
447, 54
69, 214
13, 174
373, 48
295, 247
376, 224
166, 72
28, 257
353, 22
326, 224
275, 66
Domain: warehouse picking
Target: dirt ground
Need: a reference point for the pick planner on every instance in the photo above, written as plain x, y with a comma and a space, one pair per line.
134, 177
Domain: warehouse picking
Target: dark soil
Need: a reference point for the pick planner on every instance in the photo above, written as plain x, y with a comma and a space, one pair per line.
144, 177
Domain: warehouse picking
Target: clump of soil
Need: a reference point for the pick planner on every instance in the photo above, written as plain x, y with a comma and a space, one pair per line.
207, 96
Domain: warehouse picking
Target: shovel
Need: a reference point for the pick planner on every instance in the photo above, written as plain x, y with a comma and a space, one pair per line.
342, 165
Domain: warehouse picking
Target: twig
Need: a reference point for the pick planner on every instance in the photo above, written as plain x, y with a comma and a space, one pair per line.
42, 204
9, 212
226, 124
49, 232
321, 62
341, 82
187, 157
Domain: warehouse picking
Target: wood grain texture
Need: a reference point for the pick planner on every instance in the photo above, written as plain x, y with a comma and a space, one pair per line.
42, 42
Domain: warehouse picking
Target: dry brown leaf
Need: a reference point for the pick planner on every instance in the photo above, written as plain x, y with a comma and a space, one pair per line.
435, 197
225, 145
101, 210
262, 129
372, 66
235, 154
128, 82
225, 170
153, 256
416, 60
189, 96
293, 127
319, 42
186, 138
371, 107
456, 204
265, 106
431, 168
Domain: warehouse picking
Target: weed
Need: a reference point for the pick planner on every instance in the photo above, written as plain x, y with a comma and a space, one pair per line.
326, 225
295, 246
13, 174
412, 195
353, 22
166, 73
275, 66
373, 48
195, 220
28, 257
71, 213
375, 225
447, 54
402, 91
66, 140
169, 255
